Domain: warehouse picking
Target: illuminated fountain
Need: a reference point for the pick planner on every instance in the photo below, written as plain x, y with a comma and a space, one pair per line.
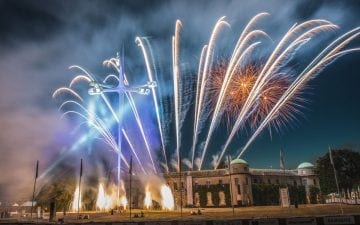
148, 198
77, 201
105, 202
123, 202
167, 198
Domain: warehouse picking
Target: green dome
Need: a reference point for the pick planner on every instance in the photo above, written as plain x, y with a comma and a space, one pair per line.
238, 161
305, 165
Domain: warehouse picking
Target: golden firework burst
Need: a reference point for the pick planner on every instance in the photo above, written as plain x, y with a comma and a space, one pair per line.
240, 87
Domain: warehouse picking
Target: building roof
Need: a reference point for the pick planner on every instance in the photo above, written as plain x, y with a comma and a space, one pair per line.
273, 172
238, 161
305, 165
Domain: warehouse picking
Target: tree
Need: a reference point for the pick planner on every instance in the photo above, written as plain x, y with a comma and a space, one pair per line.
314, 194
62, 190
347, 164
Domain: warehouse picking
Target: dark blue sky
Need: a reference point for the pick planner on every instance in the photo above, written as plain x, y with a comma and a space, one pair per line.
40, 39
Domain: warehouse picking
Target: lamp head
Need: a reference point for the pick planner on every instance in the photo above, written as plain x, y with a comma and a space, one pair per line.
144, 91
151, 84
95, 90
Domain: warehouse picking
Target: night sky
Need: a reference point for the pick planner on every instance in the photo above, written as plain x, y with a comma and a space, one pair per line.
39, 40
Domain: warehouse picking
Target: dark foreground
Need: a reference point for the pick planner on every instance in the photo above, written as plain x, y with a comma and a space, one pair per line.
305, 214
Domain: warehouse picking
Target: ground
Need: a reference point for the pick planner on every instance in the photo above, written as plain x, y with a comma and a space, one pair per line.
212, 213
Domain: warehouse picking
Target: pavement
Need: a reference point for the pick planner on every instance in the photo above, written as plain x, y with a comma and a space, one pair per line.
254, 212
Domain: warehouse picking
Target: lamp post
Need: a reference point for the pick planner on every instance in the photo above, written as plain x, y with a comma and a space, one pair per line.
121, 89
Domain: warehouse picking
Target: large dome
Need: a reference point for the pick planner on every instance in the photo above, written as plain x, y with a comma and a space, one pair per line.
239, 161
305, 165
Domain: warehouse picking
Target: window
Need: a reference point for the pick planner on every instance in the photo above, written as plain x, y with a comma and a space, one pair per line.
238, 189
304, 181
246, 169
208, 183
295, 183
196, 184
246, 181
182, 185
315, 182
255, 181
277, 181
269, 181
175, 186
220, 182
236, 181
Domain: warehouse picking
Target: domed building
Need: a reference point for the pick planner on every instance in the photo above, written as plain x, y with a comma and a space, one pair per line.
224, 188
241, 182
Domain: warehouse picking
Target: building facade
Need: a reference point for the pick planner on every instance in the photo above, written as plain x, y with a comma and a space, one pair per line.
223, 188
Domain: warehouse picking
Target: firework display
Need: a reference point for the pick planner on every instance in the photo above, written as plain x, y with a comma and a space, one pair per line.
246, 92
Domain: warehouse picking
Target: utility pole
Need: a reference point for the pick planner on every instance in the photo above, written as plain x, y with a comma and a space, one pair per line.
79, 193
33, 197
181, 189
336, 179
130, 174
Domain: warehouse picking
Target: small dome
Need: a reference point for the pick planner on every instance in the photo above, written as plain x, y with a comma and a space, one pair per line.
305, 165
239, 161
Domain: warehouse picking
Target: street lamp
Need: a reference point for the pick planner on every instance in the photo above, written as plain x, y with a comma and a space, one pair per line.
121, 89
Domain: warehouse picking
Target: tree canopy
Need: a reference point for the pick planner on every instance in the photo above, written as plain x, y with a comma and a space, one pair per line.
347, 165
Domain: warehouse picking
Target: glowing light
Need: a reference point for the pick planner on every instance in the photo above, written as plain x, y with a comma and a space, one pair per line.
66, 90
123, 201
148, 199
249, 92
176, 80
105, 201
167, 198
140, 43
76, 204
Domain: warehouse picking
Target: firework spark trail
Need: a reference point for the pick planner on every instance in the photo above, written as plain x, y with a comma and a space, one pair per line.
79, 78
274, 62
147, 42
95, 121
253, 21
207, 64
136, 114
218, 111
83, 70
235, 60
151, 79
100, 126
110, 76
114, 62
201, 64
309, 72
221, 98
176, 80
133, 150
138, 121
67, 90
109, 139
